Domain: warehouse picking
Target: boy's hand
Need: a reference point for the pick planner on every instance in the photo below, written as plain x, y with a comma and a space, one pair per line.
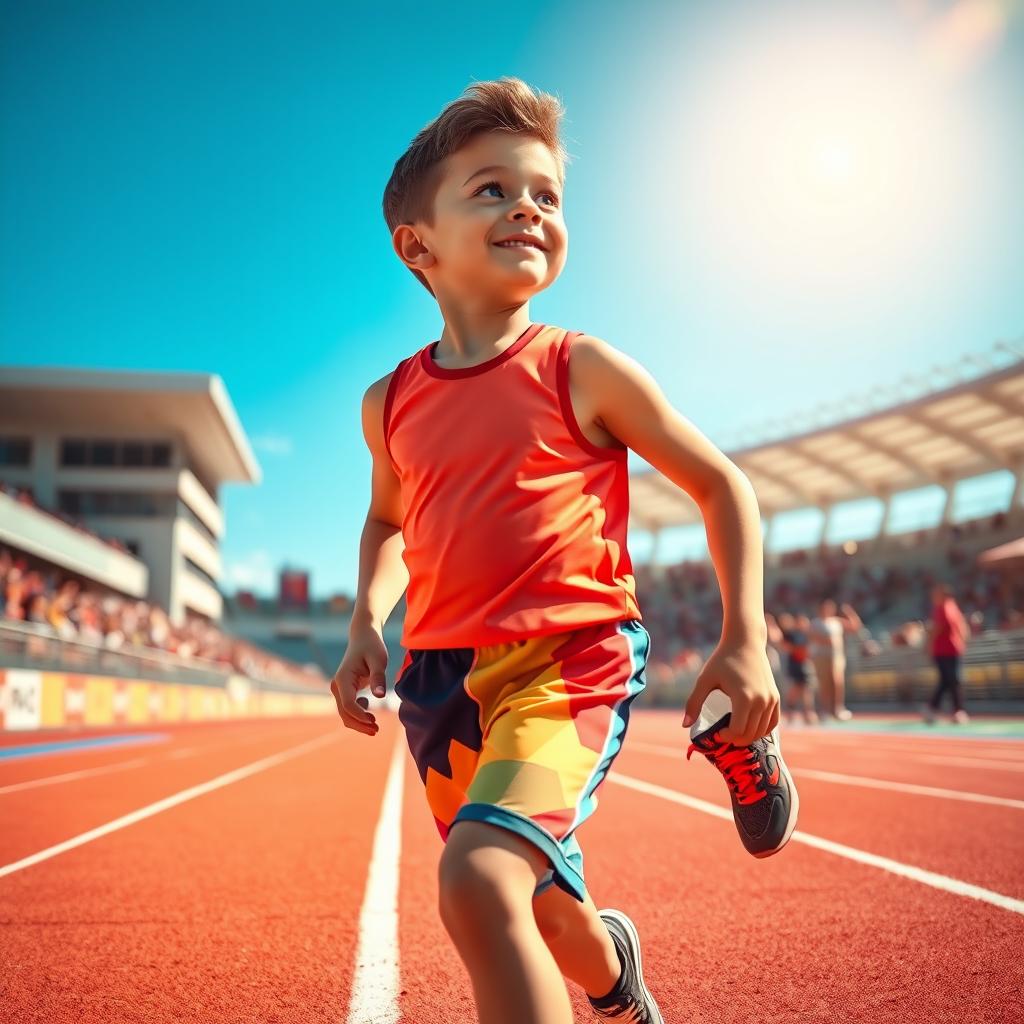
363, 664
743, 673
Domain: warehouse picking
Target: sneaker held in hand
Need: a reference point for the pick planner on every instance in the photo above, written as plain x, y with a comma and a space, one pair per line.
764, 799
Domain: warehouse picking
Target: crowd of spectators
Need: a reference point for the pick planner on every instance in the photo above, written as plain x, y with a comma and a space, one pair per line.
682, 607
25, 497
65, 608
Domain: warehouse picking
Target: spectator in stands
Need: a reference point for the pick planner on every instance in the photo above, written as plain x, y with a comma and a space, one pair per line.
66, 609
14, 594
948, 634
828, 653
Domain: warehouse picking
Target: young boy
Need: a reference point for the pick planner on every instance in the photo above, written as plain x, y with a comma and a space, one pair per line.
500, 498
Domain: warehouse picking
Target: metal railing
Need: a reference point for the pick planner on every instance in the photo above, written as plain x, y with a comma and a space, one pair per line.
38, 646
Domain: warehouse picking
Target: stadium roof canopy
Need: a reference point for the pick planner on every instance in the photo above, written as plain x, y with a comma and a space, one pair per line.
193, 406
963, 430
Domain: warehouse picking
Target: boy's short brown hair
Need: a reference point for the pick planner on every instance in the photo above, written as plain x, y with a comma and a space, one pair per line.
507, 105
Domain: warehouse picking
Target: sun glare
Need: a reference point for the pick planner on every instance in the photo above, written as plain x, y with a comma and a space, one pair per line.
834, 160
832, 152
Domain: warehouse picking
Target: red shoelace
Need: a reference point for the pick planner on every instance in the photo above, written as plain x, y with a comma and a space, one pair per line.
739, 765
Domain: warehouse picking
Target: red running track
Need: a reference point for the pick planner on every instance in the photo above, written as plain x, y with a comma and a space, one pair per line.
243, 903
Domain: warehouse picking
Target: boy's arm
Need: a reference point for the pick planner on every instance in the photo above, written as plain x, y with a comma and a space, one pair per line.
628, 403
383, 575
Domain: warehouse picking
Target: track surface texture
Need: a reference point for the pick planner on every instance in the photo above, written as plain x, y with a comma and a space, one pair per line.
226, 872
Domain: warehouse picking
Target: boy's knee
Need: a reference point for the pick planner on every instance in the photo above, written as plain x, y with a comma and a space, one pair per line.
483, 874
550, 920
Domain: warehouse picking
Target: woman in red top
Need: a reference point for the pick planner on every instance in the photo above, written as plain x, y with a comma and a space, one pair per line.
948, 633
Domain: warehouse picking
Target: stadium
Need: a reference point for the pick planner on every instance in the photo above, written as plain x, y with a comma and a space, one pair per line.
411, 616
117, 639
111, 530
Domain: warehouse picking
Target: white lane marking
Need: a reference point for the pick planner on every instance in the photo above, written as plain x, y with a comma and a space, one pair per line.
874, 753
936, 881
860, 780
908, 787
972, 762
166, 803
888, 741
375, 985
82, 773
85, 773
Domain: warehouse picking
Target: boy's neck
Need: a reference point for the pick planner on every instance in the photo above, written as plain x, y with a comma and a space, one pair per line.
472, 337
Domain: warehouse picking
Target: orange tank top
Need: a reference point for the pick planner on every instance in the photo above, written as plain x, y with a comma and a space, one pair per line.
514, 522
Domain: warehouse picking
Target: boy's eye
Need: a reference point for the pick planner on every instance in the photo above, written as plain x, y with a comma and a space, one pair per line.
494, 184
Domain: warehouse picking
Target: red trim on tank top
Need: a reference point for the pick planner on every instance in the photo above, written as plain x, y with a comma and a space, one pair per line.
568, 413
389, 402
428, 364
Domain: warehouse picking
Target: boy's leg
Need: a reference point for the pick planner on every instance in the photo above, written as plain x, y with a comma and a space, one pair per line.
487, 876
578, 940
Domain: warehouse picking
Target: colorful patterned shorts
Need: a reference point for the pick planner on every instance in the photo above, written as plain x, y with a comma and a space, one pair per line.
521, 734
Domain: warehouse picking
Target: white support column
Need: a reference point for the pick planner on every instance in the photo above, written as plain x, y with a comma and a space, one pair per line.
827, 509
655, 538
947, 506
883, 526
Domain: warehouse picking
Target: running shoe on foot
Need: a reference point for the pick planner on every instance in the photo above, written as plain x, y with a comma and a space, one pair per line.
961, 717
764, 799
844, 715
629, 1002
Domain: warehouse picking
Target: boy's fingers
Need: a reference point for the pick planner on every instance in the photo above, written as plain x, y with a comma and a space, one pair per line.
357, 726
738, 732
764, 723
344, 690
694, 704
378, 683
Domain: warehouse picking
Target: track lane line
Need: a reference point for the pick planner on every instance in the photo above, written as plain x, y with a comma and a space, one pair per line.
973, 762
908, 787
173, 755
375, 987
895, 867
82, 773
864, 781
1012, 749
236, 775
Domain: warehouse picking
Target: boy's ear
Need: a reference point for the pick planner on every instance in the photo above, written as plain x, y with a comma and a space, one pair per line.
410, 248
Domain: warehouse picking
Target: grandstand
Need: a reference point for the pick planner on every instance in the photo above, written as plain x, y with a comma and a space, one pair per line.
110, 527
109, 487
944, 436
139, 457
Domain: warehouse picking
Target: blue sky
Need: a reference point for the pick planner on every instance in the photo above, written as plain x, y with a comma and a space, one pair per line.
807, 201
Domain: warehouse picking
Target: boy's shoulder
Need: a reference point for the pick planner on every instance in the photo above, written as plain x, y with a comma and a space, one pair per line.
377, 393
375, 396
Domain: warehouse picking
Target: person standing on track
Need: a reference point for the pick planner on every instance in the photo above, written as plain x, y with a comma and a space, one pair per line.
499, 497
828, 652
791, 634
948, 633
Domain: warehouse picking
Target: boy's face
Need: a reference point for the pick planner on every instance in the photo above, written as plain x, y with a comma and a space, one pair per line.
473, 212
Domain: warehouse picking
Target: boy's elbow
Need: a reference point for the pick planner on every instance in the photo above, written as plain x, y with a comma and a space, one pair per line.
729, 480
